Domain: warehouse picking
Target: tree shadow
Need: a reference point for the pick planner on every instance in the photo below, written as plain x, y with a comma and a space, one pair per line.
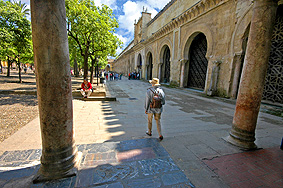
25, 100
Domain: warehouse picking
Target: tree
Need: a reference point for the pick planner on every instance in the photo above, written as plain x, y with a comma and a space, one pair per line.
22, 7
76, 60
92, 30
15, 33
6, 37
105, 43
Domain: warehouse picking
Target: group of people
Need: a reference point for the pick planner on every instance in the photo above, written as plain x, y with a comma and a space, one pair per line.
154, 101
134, 76
113, 76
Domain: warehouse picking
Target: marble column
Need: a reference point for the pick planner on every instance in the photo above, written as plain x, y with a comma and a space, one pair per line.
254, 71
183, 64
54, 91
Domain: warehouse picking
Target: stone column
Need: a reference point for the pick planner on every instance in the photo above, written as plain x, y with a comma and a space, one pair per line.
183, 64
146, 72
54, 91
214, 78
253, 76
159, 71
237, 73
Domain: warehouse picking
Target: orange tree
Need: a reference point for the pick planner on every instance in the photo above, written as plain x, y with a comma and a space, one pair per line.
91, 30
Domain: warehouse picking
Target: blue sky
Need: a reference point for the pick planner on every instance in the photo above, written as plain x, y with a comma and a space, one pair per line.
126, 13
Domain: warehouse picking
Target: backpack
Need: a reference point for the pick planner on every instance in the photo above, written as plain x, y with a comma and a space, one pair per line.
156, 100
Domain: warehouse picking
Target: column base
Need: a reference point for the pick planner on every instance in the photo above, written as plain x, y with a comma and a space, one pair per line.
241, 138
40, 178
43, 176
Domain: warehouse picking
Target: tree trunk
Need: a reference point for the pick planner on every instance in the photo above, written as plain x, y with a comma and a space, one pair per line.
20, 70
79, 69
1, 67
85, 67
91, 74
86, 64
8, 68
76, 71
96, 70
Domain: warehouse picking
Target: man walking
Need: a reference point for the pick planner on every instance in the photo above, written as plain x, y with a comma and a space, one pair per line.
155, 98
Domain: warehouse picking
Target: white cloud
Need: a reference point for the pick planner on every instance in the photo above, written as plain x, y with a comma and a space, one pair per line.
110, 3
132, 11
125, 41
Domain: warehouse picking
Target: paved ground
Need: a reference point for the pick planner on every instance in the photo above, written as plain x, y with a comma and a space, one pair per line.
116, 152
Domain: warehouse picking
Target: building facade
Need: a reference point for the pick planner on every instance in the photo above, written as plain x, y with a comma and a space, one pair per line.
201, 44
110, 65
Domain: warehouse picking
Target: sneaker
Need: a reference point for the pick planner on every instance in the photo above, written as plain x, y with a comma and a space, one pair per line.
161, 138
85, 96
149, 134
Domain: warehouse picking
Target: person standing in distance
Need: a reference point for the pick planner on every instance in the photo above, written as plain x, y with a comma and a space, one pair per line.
155, 99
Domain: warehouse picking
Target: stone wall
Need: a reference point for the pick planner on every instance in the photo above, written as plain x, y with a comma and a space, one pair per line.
225, 24
174, 10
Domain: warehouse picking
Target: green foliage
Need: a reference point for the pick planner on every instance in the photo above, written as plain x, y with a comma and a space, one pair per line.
15, 31
91, 31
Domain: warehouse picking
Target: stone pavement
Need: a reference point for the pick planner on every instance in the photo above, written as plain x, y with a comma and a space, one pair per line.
261, 168
117, 153
133, 163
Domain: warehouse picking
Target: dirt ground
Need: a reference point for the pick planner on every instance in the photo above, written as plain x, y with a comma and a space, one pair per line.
16, 110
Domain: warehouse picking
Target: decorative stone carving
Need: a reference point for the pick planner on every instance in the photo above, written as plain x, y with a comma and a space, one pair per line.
196, 10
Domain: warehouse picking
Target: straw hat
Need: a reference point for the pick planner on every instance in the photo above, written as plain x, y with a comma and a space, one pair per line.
154, 82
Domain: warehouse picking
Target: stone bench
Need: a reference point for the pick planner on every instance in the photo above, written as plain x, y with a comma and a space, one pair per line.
95, 96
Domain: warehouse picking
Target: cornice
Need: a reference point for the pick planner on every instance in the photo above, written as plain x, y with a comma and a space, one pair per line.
190, 14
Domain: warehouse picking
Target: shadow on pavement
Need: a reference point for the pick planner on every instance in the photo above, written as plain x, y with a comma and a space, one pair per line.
131, 163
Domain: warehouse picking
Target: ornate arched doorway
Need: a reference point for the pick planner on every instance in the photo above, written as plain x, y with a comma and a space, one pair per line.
149, 66
198, 62
165, 75
273, 89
